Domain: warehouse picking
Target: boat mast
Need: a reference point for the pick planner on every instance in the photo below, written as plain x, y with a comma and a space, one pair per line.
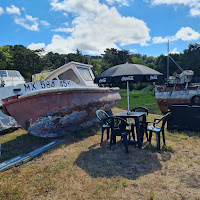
168, 61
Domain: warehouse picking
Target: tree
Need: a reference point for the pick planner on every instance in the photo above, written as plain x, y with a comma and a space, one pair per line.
5, 57
136, 60
56, 59
24, 60
113, 57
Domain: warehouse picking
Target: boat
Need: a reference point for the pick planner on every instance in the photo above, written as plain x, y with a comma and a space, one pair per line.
66, 100
181, 89
8, 78
177, 92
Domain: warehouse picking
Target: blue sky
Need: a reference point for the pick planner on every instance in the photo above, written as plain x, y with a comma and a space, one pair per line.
141, 26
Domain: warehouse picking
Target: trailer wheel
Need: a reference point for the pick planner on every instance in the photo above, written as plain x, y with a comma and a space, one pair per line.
195, 100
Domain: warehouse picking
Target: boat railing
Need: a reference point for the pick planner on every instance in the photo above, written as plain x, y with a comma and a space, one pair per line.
177, 87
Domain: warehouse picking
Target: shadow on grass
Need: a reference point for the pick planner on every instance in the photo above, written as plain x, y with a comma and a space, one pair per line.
10, 130
21, 142
102, 162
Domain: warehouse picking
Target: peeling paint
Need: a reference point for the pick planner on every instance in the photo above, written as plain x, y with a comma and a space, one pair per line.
53, 114
167, 96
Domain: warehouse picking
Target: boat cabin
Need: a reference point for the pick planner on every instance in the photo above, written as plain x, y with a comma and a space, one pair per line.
10, 78
184, 77
79, 73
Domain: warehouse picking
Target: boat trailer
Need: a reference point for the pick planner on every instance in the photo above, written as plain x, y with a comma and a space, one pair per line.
23, 158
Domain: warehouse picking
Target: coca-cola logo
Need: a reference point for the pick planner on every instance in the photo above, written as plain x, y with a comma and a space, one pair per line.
153, 77
103, 80
127, 78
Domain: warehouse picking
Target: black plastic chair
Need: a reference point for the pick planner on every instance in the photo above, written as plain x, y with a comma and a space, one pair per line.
118, 128
142, 124
101, 115
141, 109
152, 128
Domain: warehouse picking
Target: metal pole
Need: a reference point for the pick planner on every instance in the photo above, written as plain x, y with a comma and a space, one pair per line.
128, 96
168, 61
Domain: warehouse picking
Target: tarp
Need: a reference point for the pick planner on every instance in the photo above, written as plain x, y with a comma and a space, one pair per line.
7, 122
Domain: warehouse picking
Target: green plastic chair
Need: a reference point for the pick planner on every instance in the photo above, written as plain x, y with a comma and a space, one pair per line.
155, 129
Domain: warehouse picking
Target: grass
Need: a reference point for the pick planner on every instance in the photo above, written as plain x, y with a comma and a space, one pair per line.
19, 143
144, 98
80, 169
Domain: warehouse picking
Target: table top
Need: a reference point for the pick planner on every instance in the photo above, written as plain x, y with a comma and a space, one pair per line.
130, 115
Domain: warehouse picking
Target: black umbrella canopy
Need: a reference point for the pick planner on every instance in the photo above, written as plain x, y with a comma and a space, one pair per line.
129, 72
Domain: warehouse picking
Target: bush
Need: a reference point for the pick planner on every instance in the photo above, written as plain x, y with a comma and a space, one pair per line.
147, 89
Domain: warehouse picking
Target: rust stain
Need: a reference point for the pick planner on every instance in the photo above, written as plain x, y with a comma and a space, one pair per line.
176, 95
52, 114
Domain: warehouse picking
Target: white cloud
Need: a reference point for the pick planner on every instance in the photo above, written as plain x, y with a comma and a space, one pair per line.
44, 23
28, 22
121, 2
185, 34
133, 50
35, 46
1, 11
159, 39
65, 14
66, 23
195, 12
175, 51
13, 10
59, 44
173, 2
65, 30
193, 5
97, 27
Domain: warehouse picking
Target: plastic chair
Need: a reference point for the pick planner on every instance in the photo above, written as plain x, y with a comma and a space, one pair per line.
101, 115
118, 128
152, 128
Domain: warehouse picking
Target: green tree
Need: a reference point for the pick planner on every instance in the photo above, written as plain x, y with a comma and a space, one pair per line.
56, 59
113, 57
5, 57
24, 60
136, 60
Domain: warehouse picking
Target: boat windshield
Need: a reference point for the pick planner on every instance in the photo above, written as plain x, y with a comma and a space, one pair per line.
3, 74
85, 73
69, 75
13, 73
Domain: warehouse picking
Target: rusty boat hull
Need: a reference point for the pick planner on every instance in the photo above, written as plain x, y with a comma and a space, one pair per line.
54, 111
175, 95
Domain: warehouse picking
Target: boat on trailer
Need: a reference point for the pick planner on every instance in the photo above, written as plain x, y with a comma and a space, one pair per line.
65, 100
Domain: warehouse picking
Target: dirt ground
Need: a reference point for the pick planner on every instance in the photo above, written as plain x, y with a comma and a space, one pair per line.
80, 168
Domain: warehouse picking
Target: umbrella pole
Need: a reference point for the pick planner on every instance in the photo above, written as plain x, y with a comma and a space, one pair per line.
128, 96
129, 127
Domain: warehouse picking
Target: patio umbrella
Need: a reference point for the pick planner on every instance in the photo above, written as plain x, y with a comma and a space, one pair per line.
128, 73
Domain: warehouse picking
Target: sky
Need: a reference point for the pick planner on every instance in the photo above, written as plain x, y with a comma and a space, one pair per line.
62, 26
